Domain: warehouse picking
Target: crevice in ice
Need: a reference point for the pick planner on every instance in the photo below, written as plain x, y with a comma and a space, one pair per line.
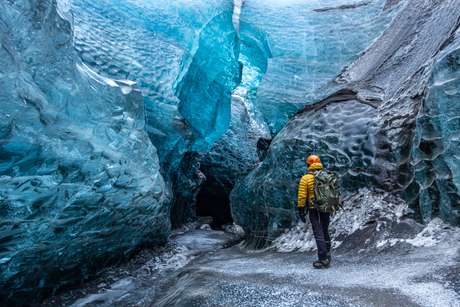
341, 95
342, 7
236, 14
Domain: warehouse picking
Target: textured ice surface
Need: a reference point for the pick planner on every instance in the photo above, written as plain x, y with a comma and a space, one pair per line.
299, 47
184, 58
264, 201
434, 190
80, 183
290, 54
364, 131
231, 154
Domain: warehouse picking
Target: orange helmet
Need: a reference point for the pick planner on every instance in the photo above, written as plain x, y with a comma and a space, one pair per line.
313, 159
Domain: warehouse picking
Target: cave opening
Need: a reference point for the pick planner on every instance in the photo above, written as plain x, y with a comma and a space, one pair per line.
213, 200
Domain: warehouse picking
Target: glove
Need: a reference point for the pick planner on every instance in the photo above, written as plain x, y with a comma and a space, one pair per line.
302, 214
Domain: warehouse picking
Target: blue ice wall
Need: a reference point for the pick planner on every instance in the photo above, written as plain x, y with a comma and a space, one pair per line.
363, 131
295, 49
80, 179
231, 154
434, 190
290, 54
99, 125
185, 60
264, 200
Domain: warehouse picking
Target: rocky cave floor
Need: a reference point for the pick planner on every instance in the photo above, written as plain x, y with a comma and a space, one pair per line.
204, 267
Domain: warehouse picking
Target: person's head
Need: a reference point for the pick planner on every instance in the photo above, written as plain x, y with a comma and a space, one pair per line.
313, 159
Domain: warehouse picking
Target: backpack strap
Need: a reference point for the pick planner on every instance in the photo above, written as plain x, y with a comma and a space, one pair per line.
312, 203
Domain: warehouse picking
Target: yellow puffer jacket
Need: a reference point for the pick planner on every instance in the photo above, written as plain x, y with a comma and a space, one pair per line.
306, 185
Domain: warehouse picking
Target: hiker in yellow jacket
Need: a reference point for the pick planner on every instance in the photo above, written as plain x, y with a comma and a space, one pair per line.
319, 220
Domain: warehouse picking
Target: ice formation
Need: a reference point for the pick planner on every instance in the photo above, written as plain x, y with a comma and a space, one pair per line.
288, 61
114, 114
434, 190
363, 131
234, 152
184, 59
80, 180
302, 46
101, 102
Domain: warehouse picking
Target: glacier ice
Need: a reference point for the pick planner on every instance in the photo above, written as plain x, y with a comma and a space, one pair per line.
80, 179
176, 53
107, 110
184, 59
288, 61
375, 110
116, 113
231, 154
264, 200
433, 191
297, 48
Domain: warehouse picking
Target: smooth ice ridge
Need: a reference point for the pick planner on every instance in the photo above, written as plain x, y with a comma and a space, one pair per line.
434, 191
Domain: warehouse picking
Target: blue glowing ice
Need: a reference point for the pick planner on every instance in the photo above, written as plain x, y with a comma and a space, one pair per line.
183, 57
435, 189
300, 47
80, 179
114, 112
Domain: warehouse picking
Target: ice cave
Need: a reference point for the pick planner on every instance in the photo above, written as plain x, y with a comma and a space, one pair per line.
151, 151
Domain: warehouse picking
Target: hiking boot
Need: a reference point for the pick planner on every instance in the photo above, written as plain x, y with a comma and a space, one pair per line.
328, 256
319, 264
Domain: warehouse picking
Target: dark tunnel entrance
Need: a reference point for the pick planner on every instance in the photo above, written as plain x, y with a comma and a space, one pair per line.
213, 200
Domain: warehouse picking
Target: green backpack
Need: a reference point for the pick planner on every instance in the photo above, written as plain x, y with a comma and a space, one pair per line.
326, 189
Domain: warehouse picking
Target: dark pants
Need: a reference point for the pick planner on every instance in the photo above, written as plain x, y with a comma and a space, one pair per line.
320, 224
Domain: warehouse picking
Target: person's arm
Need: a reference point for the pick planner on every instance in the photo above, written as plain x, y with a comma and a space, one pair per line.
302, 198
303, 192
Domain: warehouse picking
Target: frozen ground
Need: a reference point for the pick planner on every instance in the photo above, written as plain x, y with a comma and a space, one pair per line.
195, 270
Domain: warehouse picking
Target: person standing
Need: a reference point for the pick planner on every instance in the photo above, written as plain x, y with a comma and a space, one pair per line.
319, 220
